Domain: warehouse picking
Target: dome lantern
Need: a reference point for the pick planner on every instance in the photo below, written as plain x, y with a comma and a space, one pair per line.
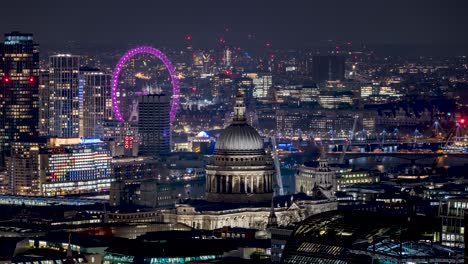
239, 109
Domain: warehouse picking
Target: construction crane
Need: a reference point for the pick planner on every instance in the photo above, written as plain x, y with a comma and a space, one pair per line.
279, 180
446, 140
448, 137
454, 132
349, 142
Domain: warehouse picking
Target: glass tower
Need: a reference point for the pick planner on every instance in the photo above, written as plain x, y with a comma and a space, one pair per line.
19, 99
65, 96
97, 102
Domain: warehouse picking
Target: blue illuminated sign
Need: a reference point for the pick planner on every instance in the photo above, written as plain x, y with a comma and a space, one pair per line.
90, 140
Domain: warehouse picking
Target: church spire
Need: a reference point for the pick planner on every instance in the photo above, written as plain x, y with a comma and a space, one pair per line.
69, 259
272, 220
69, 251
239, 109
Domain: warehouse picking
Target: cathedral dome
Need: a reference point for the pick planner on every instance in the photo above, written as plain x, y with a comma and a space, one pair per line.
240, 171
239, 137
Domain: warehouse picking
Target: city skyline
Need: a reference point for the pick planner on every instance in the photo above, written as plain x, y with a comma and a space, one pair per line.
253, 132
251, 24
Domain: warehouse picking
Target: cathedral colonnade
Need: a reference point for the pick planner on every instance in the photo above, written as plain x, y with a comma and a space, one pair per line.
240, 184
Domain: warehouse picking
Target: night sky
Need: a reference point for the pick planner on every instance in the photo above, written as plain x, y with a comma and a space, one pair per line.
285, 23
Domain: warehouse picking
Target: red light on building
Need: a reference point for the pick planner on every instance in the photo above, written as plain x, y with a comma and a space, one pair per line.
6, 80
462, 121
189, 38
128, 142
31, 79
268, 44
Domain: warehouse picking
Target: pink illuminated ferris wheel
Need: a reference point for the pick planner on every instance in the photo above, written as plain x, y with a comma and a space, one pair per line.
167, 63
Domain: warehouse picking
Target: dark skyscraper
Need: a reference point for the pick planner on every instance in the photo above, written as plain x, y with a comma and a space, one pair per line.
153, 124
328, 68
19, 102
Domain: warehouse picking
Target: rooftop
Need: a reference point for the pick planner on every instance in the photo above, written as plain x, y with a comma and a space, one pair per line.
282, 201
358, 235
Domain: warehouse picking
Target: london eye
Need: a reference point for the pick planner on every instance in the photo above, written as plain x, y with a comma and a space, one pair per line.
167, 63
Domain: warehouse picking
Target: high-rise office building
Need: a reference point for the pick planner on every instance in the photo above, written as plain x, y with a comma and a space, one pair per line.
222, 86
23, 166
44, 103
262, 85
19, 72
328, 68
227, 54
97, 103
246, 85
65, 96
153, 124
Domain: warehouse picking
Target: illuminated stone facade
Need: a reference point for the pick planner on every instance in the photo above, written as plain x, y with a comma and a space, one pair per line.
239, 184
241, 172
316, 179
288, 210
